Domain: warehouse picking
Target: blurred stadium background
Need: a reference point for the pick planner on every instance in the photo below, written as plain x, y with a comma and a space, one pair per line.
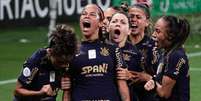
24, 27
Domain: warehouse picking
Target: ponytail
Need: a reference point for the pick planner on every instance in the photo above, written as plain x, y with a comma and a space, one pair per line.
178, 31
184, 30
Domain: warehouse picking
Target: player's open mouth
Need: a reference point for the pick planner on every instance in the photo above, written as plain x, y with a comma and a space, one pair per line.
134, 26
86, 24
117, 31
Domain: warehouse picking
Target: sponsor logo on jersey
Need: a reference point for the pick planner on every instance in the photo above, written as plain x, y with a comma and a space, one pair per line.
104, 51
95, 69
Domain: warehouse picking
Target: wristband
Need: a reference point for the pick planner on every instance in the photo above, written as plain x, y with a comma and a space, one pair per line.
154, 79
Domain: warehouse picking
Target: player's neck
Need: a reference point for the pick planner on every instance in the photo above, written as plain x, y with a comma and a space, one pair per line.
91, 37
122, 43
135, 39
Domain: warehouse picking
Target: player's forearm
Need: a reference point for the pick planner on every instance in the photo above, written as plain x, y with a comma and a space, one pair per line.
165, 89
162, 92
66, 95
20, 91
25, 92
124, 91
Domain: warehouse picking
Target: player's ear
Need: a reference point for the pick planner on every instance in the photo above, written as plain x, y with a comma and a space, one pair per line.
147, 22
49, 50
100, 24
129, 31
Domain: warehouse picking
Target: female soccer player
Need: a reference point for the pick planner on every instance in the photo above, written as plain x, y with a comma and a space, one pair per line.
140, 31
108, 14
94, 67
42, 72
172, 79
119, 29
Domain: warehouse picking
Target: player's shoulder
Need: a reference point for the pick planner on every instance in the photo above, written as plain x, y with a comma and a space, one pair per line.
178, 54
37, 55
110, 45
39, 52
129, 46
146, 42
34, 61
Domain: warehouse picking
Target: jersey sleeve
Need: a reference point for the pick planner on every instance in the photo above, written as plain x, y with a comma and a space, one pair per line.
138, 61
30, 69
174, 65
119, 58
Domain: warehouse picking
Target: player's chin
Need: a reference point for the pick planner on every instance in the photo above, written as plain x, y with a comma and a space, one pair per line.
116, 40
159, 45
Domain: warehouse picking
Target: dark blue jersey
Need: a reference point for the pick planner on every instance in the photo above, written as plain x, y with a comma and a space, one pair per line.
94, 72
132, 57
38, 71
176, 67
147, 48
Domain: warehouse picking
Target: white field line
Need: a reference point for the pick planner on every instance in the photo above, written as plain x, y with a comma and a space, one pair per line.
3, 82
195, 69
194, 54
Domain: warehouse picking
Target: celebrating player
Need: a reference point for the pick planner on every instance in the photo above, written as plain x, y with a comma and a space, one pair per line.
140, 31
119, 29
94, 67
172, 79
41, 74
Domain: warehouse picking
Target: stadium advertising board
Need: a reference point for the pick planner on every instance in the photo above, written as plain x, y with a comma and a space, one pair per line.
175, 7
23, 12
159, 7
38, 12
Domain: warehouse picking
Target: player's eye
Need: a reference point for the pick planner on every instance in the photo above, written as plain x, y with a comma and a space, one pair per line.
93, 14
113, 21
139, 17
84, 13
109, 18
123, 22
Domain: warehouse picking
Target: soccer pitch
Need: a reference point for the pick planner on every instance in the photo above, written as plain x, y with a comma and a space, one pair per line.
18, 44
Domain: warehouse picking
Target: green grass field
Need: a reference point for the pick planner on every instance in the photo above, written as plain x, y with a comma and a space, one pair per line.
13, 53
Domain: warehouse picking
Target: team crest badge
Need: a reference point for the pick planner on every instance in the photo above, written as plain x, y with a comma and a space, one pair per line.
126, 57
26, 72
160, 68
31, 75
180, 63
104, 51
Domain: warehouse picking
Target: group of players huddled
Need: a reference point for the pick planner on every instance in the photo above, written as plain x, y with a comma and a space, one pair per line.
120, 58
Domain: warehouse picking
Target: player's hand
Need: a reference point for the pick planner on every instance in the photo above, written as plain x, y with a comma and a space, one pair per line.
149, 85
140, 76
65, 83
123, 74
47, 89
